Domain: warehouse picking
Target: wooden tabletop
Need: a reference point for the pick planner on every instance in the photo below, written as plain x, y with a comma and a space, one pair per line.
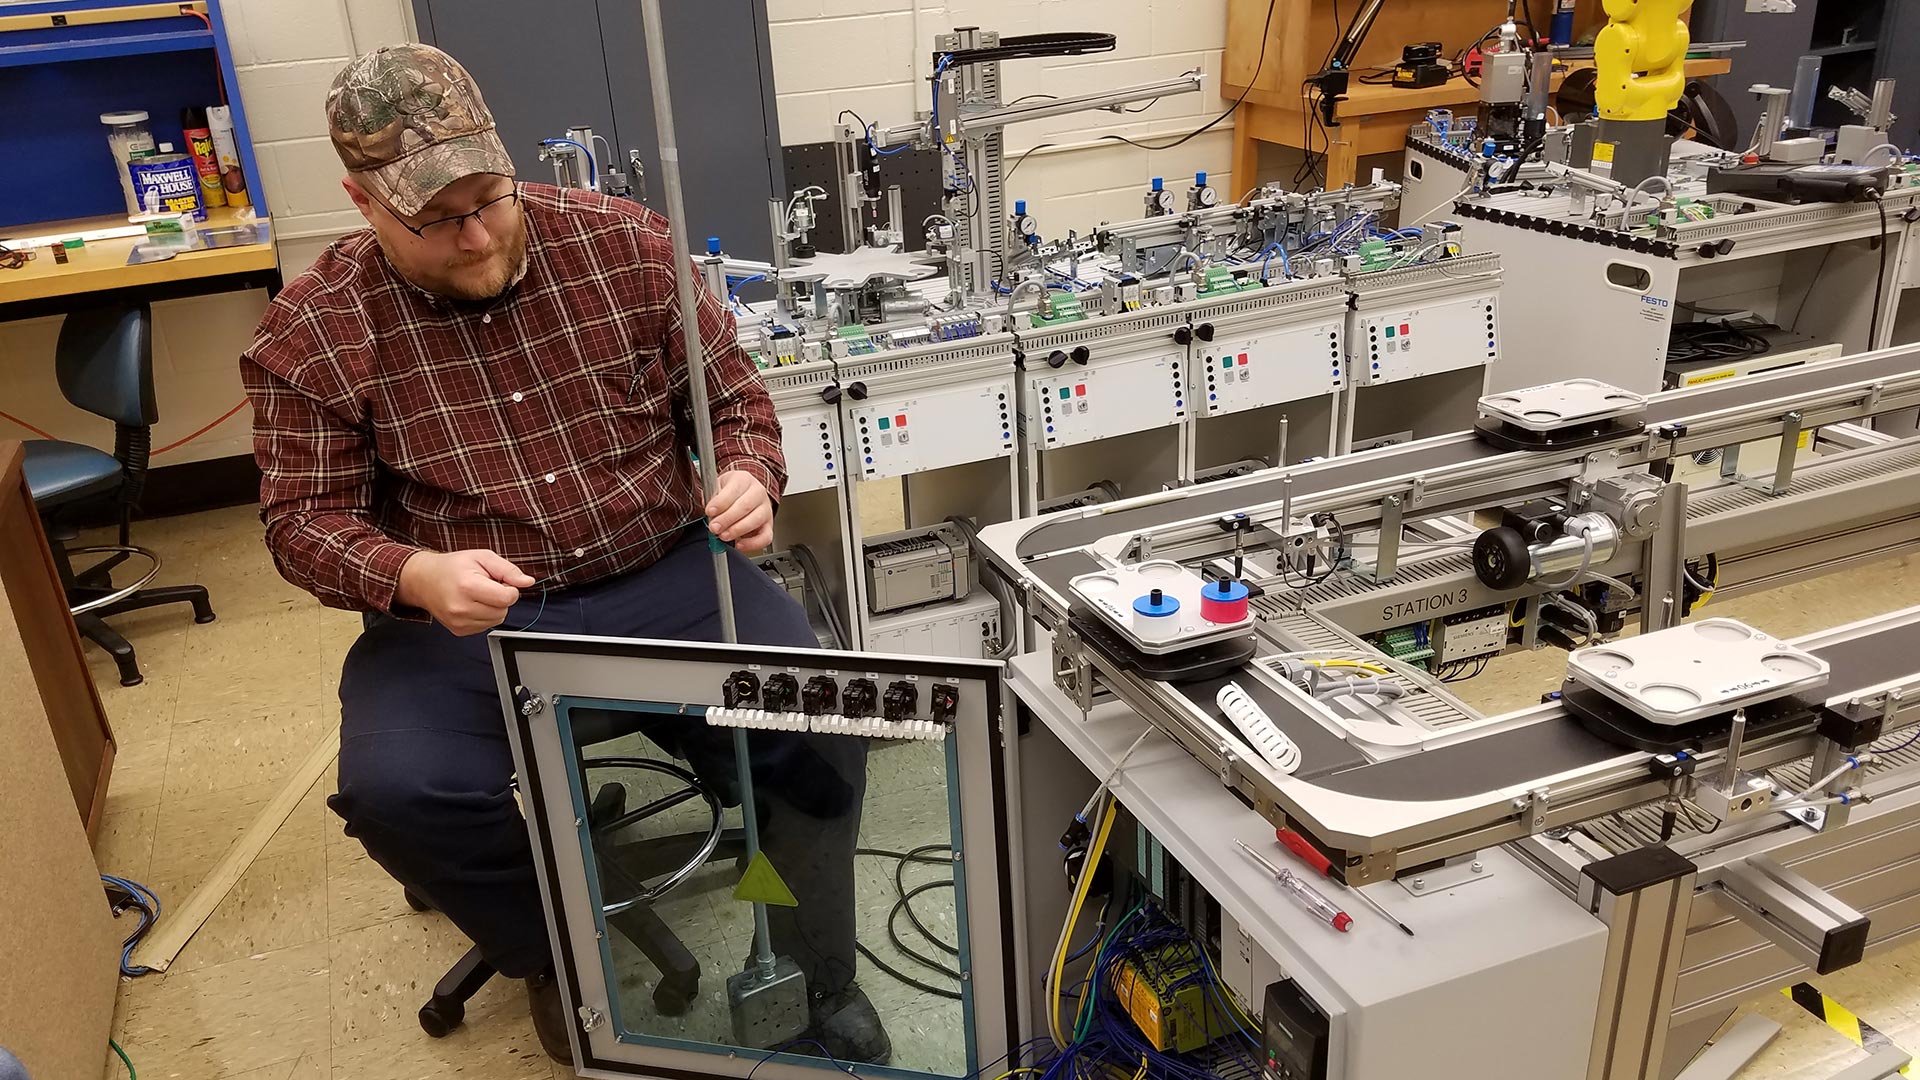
1371, 99
102, 264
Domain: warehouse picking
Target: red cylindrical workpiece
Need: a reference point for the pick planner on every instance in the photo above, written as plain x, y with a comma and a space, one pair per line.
1224, 601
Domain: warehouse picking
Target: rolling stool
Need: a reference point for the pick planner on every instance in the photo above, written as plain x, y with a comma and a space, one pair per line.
104, 362
676, 857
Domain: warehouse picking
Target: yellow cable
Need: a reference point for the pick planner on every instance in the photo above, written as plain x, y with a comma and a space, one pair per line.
1141, 1075
1361, 664
1073, 916
1017, 1072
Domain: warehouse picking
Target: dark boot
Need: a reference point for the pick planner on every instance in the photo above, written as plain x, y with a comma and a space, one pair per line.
846, 1024
549, 1017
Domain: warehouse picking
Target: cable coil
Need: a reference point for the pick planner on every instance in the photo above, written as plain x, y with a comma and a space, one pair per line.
1259, 729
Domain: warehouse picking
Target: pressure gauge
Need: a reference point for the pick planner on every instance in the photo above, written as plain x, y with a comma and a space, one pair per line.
1206, 196
1161, 200
1025, 225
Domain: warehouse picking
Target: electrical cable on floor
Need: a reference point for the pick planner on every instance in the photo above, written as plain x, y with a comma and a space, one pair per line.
124, 1060
125, 893
903, 903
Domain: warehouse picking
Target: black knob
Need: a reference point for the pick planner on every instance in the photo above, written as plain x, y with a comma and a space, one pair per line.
1082, 354
1204, 331
857, 391
1056, 359
830, 394
1154, 596
1500, 558
1183, 335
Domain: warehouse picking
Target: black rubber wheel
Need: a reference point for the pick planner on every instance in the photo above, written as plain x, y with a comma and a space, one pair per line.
417, 904
1500, 558
209, 617
439, 1018
673, 998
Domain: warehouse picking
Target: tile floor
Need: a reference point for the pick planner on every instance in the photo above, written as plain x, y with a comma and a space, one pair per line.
313, 966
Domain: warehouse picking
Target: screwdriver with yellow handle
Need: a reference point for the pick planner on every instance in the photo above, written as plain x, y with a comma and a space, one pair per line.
1307, 853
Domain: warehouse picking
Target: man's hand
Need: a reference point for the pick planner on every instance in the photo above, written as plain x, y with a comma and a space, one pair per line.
468, 592
742, 512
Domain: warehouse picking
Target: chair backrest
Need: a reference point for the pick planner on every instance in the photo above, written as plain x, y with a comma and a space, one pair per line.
104, 360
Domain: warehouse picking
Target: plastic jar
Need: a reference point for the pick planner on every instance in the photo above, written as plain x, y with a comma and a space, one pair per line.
128, 134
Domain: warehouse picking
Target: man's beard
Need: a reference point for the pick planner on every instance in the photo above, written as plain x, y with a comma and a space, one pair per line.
455, 278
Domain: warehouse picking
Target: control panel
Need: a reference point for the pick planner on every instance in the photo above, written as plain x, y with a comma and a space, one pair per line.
1407, 343
803, 398
1136, 392
935, 406
1243, 371
811, 443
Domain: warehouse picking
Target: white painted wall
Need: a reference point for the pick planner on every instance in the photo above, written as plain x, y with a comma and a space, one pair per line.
870, 56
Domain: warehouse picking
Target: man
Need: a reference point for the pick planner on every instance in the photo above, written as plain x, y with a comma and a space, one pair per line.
465, 418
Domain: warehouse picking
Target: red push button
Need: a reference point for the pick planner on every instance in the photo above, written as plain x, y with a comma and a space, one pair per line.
900, 421
1080, 390
1404, 330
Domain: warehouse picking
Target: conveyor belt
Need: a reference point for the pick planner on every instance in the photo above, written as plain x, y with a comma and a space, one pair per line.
1447, 451
1516, 757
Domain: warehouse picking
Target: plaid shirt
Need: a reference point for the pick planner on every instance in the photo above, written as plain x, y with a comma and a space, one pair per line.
540, 425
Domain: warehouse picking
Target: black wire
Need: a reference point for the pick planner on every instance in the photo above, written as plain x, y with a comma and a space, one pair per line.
1021, 160
1265, 26
1880, 275
903, 898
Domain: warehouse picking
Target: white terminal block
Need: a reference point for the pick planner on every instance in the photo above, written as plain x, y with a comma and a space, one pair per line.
865, 726
757, 719
875, 728
1122, 597
1696, 670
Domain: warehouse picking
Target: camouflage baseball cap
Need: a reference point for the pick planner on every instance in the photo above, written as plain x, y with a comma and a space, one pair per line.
407, 120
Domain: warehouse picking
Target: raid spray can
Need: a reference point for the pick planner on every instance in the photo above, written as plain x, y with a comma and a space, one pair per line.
1561, 32
199, 141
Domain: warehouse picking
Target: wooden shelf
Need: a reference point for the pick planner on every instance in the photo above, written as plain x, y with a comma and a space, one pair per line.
102, 264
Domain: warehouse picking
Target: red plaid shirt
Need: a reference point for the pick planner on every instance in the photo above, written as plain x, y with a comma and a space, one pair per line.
540, 425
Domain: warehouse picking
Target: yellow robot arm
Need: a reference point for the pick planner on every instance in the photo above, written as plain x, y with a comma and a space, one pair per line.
1640, 59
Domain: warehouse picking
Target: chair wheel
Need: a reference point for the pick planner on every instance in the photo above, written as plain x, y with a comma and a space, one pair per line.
674, 999
439, 1018
417, 904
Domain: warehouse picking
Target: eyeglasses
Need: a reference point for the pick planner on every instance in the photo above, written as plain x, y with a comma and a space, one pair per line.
491, 215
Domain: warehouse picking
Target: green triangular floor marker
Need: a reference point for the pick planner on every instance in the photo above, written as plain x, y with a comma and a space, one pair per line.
761, 884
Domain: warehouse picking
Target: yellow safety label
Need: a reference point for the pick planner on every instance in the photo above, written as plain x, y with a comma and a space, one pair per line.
761, 884
1603, 151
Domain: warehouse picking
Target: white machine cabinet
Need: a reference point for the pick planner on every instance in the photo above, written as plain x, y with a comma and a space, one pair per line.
1264, 347
927, 408
1116, 407
1420, 342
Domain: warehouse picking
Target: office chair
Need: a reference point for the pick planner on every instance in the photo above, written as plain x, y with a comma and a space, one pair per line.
104, 361
664, 860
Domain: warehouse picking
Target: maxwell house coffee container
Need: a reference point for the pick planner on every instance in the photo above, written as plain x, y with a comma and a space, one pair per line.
167, 183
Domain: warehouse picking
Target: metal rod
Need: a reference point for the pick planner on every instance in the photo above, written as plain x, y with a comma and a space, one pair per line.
689, 295
1280, 462
1731, 774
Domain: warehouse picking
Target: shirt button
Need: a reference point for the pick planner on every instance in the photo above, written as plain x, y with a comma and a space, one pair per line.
487, 318
549, 478
578, 552
517, 395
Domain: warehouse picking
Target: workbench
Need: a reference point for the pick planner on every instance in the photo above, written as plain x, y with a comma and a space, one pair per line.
1370, 119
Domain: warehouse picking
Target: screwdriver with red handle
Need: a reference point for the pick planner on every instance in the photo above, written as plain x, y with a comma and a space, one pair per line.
1307, 853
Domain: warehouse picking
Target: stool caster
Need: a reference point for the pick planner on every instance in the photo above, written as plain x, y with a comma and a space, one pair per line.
438, 1018
418, 904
